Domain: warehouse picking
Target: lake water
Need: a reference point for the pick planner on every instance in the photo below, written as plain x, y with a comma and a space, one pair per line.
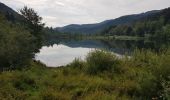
64, 52
59, 55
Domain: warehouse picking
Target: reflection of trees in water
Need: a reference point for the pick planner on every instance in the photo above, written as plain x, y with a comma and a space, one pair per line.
57, 41
120, 46
137, 44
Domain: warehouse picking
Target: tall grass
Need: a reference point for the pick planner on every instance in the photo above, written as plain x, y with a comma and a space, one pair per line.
103, 76
101, 61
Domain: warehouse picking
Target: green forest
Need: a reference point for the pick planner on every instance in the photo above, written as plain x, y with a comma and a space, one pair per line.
145, 75
155, 26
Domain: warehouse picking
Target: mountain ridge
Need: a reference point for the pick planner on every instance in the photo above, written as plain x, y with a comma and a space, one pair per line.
9, 12
98, 27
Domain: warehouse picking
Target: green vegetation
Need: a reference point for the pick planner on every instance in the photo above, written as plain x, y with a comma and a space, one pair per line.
144, 76
15, 43
155, 27
128, 38
112, 37
33, 23
19, 41
102, 76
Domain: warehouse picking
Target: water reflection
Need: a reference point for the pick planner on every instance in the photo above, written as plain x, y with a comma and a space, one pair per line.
61, 52
59, 55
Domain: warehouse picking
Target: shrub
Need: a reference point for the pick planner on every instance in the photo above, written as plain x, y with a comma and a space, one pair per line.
100, 61
25, 82
77, 64
17, 45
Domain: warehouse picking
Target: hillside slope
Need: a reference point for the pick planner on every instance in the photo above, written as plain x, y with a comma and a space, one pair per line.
155, 25
95, 28
9, 13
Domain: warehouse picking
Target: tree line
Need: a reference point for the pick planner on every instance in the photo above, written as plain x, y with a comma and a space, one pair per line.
155, 26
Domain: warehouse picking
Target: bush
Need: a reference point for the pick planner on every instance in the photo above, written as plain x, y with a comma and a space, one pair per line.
100, 61
155, 70
17, 45
77, 64
25, 82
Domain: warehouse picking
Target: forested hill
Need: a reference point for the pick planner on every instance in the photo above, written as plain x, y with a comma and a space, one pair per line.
95, 28
157, 25
9, 13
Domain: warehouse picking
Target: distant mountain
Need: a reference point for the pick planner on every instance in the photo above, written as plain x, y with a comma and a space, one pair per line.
97, 27
9, 13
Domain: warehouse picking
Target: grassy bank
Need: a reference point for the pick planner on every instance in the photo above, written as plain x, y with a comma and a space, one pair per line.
103, 76
115, 37
129, 38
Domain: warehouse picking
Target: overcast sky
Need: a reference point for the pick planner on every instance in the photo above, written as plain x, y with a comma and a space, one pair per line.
63, 12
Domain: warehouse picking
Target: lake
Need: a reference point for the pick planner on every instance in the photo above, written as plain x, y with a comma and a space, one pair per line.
60, 53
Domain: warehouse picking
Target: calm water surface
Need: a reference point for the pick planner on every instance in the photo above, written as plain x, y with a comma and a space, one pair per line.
62, 53
59, 55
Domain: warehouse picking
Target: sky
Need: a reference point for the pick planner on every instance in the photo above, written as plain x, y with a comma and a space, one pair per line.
57, 13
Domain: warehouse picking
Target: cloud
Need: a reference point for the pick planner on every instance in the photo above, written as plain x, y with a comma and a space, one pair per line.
59, 3
64, 12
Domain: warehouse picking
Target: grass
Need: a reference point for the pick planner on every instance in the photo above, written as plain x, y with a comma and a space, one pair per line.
103, 76
115, 37
129, 38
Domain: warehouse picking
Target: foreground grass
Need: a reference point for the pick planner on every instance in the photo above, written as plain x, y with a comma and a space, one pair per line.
103, 76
